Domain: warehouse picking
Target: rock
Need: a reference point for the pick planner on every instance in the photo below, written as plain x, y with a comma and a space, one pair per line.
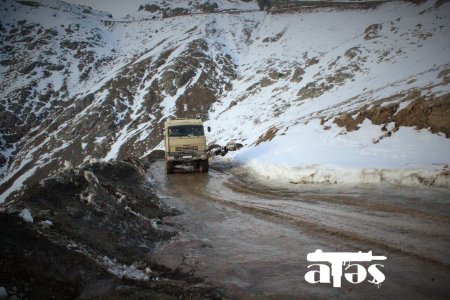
275, 75
445, 75
208, 7
264, 4
228, 87
149, 7
45, 224
312, 61
352, 52
42, 214
68, 165
311, 90
90, 177
266, 82
11, 211
274, 39
156, 154
74, 212
121, 199
232, 103
372, 31
2, 160
267, 136
233, 146
297, 76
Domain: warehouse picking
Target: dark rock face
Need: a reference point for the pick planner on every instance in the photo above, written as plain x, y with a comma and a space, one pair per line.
208, 7
149, 7
264, 4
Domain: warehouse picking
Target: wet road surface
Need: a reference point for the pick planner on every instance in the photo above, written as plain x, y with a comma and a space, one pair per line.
252, 239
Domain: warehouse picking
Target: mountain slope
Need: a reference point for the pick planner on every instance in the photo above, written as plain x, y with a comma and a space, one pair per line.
353, 78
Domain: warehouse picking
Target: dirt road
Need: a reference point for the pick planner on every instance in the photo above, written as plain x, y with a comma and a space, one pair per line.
252, 239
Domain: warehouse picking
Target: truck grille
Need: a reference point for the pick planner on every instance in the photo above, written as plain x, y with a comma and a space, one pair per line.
186, 148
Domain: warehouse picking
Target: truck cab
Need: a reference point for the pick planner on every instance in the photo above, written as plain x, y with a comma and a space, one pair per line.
185, 143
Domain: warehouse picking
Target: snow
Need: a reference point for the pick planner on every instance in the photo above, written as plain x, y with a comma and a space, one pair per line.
47, 223
123, 271
409, 148
25, 214
320, 174
402, 58
328, 156
154, 224
100, 139
18, 183
302, 146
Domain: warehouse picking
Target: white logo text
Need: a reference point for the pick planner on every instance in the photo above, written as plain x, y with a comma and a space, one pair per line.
354, 273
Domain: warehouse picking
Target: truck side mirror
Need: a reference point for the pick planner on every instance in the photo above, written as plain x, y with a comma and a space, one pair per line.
162, 132
209, 129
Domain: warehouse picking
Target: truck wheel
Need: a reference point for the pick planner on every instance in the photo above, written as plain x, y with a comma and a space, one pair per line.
169, 167
203, 166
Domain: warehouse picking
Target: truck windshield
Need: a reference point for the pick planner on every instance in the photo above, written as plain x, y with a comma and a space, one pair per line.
186, 130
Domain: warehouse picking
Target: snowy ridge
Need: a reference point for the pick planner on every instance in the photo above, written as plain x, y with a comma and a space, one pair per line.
77, 84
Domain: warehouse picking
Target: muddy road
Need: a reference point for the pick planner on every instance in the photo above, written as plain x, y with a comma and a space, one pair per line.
252, 239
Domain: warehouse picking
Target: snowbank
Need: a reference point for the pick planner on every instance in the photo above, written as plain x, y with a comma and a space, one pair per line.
340, 175
309, 154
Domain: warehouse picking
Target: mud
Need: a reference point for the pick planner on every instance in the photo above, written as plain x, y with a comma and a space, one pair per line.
120, 231
92, 234
251, 238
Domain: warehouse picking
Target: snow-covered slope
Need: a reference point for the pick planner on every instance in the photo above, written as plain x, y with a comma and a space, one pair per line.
337, 84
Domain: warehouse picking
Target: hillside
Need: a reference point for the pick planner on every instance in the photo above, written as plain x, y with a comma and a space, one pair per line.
308, 88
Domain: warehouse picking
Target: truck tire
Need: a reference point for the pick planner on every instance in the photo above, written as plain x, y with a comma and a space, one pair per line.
169, 167
203, 166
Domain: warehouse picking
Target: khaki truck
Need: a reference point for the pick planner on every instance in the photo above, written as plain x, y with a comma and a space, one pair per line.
185, 143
